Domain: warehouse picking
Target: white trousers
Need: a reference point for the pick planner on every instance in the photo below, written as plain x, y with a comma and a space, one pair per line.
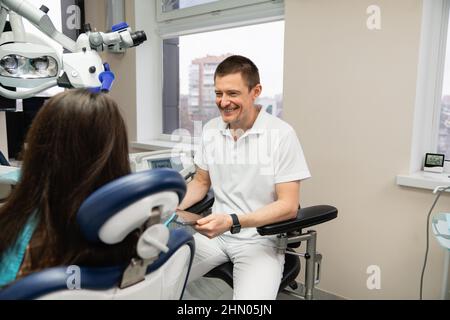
258, 267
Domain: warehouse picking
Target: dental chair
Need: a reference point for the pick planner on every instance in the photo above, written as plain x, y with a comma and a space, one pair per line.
161, 269
290, 234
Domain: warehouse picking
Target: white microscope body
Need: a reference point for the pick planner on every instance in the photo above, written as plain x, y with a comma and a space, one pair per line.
31, 62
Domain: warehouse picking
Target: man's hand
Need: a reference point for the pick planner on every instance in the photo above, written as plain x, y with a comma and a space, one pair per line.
214, 225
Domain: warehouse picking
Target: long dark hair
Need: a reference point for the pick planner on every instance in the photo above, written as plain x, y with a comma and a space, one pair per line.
76, 144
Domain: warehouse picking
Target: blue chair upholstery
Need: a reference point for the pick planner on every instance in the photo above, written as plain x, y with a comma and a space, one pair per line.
123, 203
55, 279
125, 191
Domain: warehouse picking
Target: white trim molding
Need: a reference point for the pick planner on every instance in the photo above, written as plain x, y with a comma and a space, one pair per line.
218, 20
148, 74
207, 8
424, 180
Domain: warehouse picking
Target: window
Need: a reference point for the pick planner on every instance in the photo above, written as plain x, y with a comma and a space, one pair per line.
431, 97
443, 144
194, 81
162, 73
430, 127
190, 61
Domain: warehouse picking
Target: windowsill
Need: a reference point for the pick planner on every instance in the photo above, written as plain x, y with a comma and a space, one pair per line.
424, 180
155, 145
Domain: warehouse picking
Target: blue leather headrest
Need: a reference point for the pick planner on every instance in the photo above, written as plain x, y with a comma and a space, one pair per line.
119, 194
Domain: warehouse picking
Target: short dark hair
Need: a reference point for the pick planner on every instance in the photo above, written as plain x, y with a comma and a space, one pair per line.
239, 64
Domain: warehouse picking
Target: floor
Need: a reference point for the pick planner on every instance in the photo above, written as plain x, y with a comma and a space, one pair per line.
215, 289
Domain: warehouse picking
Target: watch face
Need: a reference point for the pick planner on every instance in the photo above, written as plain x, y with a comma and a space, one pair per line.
235, 229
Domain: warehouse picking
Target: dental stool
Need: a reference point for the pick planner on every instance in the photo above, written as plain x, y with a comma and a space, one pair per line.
289, 236
161, 269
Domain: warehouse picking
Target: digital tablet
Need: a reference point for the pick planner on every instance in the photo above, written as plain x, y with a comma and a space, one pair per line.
186, 218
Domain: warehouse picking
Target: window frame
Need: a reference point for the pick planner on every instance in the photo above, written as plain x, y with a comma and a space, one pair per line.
430, 76
149, 58
206, 8
168, 137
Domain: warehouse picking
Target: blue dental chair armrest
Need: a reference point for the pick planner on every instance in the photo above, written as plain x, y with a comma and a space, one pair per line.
306, 217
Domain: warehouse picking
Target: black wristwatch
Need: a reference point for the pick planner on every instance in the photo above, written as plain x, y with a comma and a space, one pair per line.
236, 227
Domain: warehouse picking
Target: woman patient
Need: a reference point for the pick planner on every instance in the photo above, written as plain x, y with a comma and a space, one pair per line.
76, 144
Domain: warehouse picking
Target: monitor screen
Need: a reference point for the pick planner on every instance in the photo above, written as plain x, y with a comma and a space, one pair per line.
160, 163
434, 160
7, 104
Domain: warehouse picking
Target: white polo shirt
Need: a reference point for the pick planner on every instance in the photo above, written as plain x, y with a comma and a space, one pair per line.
244, 172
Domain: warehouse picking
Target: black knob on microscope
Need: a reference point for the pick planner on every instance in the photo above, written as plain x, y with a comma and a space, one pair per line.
44, 9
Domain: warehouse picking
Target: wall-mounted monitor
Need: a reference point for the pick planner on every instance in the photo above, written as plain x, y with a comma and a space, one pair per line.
7, 104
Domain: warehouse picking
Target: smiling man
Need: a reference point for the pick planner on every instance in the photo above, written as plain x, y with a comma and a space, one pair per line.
254, 163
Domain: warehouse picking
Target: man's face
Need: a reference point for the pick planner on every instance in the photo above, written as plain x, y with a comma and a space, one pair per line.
235, 101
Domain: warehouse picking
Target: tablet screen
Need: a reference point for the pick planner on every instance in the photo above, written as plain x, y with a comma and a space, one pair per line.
187, 218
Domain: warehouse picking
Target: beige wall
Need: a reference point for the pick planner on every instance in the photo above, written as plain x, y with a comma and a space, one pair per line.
123, 65
349, 93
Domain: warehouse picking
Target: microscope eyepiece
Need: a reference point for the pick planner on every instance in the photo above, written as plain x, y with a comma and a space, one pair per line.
138, 37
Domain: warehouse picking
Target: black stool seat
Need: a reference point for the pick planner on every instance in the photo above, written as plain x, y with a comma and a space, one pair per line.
223, 272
